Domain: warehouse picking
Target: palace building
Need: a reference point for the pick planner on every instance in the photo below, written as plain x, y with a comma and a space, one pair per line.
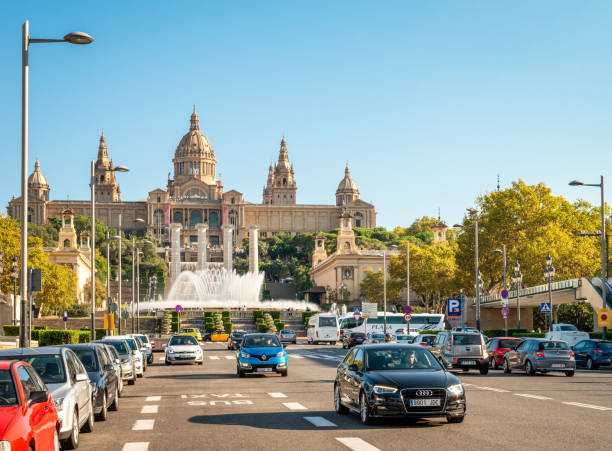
195, 195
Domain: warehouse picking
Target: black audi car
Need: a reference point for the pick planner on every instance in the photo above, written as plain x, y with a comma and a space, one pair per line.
396, 380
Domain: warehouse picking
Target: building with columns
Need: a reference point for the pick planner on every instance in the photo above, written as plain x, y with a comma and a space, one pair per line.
194, 195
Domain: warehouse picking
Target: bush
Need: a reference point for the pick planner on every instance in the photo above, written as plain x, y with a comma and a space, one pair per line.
100, 333
502, 332
58, 337
596, 335
257, 314
228, 326
78, 311
40, 328
275, 314
226, 314
262, 328
210, 327
10, 330
208, 315
306, 316
84, 336
529, 334
280, 325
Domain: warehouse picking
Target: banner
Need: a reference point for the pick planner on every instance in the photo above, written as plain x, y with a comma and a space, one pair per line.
225, 220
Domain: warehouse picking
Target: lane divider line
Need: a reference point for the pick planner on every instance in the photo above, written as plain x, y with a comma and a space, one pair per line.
152, 398
136, 446
294, 406
588, 406
295, 356
277, 395
230, 357
143, 425
529, 395
321, 422
213, 357
356, 444
149, 409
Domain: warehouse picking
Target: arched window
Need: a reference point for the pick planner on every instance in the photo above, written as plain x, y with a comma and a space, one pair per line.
159, 216
195, 219
213, 220
178, 217
66, 243
284, 181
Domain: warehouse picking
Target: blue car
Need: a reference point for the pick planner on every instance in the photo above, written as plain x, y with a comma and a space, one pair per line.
261, 353
593, 353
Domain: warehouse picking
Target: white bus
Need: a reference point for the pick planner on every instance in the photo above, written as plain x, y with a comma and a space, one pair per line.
323, 327
395, 323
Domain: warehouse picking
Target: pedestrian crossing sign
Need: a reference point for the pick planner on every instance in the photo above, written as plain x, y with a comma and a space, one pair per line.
545, 307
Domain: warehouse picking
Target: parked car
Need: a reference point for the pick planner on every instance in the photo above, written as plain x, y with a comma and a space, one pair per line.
567, 333
593, 353
425, 339
184, 349
149, 352
67, 381
462, 350
137, 354
27, 411
102, 377
374, 338
191, 331
142, 348
288, 336
404, 339
541, 355
128, 364
353, 339
114, 358
261, 353
235, 339
497, 348
219, 336
397, 381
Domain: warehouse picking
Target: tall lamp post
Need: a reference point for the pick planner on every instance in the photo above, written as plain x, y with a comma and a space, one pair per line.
75, 37
503, 252
385, 288
477, 275
517, 278
549, 274
118, 238
603, 241
15, 276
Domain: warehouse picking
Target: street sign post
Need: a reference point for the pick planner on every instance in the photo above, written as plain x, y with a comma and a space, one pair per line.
453, 308
357, 317
504, 294
65, 319
603, 317
178, 308
407, 317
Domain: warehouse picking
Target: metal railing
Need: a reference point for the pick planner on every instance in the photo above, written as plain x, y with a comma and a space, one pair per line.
538, 289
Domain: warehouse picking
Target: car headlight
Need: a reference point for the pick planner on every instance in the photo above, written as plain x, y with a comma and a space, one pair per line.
59, 403
280, 354
245, 355
170, 350
456, 389
5, 446
384, 389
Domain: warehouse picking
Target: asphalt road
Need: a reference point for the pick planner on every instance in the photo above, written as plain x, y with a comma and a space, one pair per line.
209, 407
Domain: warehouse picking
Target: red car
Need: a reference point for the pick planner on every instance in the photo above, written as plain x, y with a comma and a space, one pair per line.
28, 417
497, 348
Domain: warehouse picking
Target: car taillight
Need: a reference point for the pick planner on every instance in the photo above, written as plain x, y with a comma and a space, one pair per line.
571, 354
423, 344
597, 351
501, 351
374, 341
540, 354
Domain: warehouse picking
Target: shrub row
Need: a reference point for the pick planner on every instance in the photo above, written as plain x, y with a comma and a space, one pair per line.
280, 325
306, 316
502, 332
10, 330
257, 314
430, 332
58, 337
275, 314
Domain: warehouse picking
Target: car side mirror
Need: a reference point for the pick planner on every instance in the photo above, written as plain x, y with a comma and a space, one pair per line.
37, 397
82, 377
353, 367
109, 367
164, 346
117, 360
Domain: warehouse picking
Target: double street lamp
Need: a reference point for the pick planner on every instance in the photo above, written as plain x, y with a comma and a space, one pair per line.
549, 274
75, 37
517, 279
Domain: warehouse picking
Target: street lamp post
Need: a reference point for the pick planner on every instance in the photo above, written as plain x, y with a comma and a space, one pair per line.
118, 238
603, 241
75, 37
477, 275
549, 274
503, 252
385, 291
517, 278
108, 297
15, 276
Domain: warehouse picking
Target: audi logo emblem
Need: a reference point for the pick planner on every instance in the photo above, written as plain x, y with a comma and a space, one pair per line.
264, 357
424, 393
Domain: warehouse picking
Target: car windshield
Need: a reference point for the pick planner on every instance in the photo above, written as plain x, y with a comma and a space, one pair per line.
261, 341
510, 344
7, 389
131, 343
50, 367
143, 338
407, 338
568, 328
377, 337
549, 345
604, 344
184, 340
400, 359
327, 321
120, 346
429, 339
466, 339
87, 358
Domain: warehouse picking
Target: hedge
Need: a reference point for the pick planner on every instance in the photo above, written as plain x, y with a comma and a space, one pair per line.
280, 325
306, 316
596, 335
10, 330
58, 337
502, 332
40, 328
262, 328
529, 334
208, 315
257, 314
226, 314
275, 314
228, 326
84, 336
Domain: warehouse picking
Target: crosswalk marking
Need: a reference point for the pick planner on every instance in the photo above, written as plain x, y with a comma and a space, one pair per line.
152, 398
529, 395
230, 357
149, 409
143, 425
277, 395
588, 406
214, 357
295, 356
294, 406
321, 422
356, 444
136, 446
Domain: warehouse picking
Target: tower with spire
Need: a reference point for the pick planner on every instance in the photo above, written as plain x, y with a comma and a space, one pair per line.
347, 191
107, 188
281, 188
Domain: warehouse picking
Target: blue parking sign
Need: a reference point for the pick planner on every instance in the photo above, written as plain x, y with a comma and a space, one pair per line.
453, 307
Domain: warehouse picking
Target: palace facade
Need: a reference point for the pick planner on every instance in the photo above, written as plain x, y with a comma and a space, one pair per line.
195, 195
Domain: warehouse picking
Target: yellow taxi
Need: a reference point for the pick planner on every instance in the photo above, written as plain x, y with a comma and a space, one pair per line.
219, 336
191, 331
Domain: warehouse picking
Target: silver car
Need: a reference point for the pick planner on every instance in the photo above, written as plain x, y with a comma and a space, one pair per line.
115, 360
128, 364
462, 350
541, 355
68, 383
137, 355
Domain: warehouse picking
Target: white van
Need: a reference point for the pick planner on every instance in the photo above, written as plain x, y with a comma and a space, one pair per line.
323, 327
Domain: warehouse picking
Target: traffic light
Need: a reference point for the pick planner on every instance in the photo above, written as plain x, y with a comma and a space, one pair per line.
603, 317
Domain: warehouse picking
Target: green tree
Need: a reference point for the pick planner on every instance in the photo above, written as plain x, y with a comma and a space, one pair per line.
59, 289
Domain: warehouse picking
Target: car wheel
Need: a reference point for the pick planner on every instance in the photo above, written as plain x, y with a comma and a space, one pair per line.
103, 415
115, 405
120, 387
590, 365
484, 369
284, 373
529, 371
72, 442
364, 410
340, 409
569, 373
89, 424
507, 369
455, 419
494, 364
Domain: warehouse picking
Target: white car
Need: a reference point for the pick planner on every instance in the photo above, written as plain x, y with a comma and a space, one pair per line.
375, 338
136, 353
184, 349
566, 332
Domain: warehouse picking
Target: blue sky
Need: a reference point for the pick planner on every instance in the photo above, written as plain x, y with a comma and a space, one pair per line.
428, 100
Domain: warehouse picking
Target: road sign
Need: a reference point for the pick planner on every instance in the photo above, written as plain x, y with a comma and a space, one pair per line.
453, 307
407, 317
113, 307
603, 317
357, 317
407, 310
178, 308
369, 309
545, 307
505, 312
504, 294
356, 311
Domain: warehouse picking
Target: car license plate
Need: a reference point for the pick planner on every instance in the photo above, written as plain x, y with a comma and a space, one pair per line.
425, 402
558, 365
263, 370
468, 362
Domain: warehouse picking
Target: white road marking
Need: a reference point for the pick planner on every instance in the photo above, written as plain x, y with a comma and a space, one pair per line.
277, 395
320, 422
152, 398
498, 390
214, 357
294, 406
149, 409
588, 406
230, 357
529, 395
312, 356
356, 444
143, 425
295, 356
136, 446
161, 359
